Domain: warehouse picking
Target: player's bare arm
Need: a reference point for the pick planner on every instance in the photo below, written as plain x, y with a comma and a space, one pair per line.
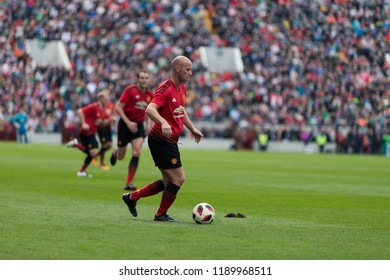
152, 113
81, 115
194, 131
148, 124
119, 110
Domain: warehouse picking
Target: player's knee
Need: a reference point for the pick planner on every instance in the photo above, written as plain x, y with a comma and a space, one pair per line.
93, 153
180, 180
136, 153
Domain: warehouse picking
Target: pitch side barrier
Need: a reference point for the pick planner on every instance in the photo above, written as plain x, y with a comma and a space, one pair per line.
207, 144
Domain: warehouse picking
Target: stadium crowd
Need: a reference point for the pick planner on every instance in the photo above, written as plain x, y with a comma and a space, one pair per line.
310, 66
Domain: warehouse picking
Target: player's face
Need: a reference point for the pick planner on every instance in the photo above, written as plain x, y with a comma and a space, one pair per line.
103, 101
143, 80
185, 72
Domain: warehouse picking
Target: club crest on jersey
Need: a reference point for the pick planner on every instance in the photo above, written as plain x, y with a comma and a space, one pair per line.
174, 160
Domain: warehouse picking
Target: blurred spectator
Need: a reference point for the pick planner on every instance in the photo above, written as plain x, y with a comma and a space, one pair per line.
20, 121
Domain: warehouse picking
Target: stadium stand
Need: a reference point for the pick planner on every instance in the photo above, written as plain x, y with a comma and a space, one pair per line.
310, 66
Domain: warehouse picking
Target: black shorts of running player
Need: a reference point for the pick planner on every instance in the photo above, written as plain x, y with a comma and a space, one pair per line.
88, 141
105, 134
125, 136
165, 155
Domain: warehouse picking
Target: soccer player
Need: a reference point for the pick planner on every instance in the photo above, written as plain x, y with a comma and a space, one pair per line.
105, 132
20, 121
167, 110
131, 129
90, 117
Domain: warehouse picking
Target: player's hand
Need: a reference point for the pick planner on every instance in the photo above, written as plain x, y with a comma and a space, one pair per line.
85, 126
166, 129
197, 135
133, 127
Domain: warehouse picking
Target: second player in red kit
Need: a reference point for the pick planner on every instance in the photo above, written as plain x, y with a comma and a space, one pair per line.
133, 125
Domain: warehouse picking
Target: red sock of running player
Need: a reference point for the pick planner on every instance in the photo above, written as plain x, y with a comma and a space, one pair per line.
81, 148
132, 169
87, 161
168, 197
151, 189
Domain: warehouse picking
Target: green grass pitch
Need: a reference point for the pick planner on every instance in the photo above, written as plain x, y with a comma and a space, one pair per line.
297, 206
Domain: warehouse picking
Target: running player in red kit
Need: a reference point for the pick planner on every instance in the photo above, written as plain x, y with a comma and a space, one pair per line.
105, 132
90, 117
167, 110
131, 129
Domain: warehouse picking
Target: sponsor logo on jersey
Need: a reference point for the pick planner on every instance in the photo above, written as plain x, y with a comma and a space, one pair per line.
179, 109
179, 112
141, 105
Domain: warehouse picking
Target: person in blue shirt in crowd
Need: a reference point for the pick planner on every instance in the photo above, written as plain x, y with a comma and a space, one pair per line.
20, 121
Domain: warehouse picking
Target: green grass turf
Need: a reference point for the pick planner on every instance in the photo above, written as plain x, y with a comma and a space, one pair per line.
326, 207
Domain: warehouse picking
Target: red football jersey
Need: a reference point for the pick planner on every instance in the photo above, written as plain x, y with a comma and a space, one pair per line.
171, 102
108, 112
91, 114
135, 103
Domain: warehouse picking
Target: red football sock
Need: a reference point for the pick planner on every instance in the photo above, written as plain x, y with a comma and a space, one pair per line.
151, 189
87, 161
168, 197
132, 169
81, 148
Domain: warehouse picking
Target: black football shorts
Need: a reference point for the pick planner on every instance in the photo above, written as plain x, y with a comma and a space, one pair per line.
105, 134
88, 141
125, 136
165, 155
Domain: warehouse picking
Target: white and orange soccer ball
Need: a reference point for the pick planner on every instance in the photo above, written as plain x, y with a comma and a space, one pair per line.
203, 213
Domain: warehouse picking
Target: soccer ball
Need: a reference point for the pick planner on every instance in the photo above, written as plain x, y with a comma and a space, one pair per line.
203, 213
